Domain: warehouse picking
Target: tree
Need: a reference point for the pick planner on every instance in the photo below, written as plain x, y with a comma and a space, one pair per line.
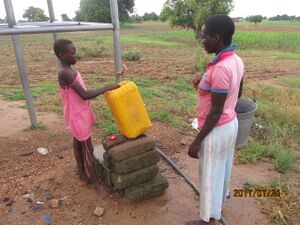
136, 18
34, 14
191, 14
3, 20
65, 17
99, 10
255, 19
150, 16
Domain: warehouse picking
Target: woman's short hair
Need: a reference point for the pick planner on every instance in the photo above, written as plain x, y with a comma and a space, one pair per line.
221, 25
61, 46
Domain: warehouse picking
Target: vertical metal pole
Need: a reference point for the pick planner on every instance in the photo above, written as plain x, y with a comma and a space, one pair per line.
21, 64
52, 19
117, 44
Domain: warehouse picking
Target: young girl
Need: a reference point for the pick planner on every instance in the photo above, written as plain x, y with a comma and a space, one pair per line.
78, 114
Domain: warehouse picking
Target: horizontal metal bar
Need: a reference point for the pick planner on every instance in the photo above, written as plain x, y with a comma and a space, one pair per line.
36, 28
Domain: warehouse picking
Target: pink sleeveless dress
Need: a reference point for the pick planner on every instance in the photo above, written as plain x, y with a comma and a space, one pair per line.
78, 115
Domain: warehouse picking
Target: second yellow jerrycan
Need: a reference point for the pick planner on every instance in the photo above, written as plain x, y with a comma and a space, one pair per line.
128, 109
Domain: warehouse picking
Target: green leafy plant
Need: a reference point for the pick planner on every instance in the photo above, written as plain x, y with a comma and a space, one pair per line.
133, 55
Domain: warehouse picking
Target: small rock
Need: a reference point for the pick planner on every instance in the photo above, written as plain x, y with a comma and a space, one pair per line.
156, 139
61, 201
29, 197
10, 202
42, 151
98, 212
183, 141
40, 203
54, 203
164, 208
13, 210
47, 219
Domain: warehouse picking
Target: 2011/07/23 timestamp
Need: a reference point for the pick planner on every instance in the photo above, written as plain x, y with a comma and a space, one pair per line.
260, 193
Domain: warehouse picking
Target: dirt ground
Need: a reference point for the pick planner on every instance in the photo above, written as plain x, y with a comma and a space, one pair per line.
25, 171
30, 180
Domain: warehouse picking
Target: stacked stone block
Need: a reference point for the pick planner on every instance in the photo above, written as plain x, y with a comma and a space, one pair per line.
130, 166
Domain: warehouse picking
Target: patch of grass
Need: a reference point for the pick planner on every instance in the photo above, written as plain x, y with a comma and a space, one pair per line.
143, 40
284, 159
105, 119
40, 126
93, 50
288, 23
276, 126
273, 53
54, 136
172, 102
277, 217
286, 41
290, 81
108, 127
282, 209
12, 93
15, 92
162, 116
252, 153
145, 82
277, 183
268, 90
133, 55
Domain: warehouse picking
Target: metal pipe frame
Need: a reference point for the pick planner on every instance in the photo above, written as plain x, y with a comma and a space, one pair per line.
14, 29
39, 28
117, 44
21, 65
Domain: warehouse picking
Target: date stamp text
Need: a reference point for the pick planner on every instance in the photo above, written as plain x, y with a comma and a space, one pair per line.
257, 192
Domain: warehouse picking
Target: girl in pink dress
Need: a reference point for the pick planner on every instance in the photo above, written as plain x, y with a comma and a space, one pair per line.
78, 115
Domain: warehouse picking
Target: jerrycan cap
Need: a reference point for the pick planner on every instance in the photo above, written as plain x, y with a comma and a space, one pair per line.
112, 137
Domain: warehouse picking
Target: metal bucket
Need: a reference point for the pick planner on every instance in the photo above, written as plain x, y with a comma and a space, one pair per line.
245, 110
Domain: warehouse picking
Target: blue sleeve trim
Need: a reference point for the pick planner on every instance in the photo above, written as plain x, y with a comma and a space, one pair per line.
219, 91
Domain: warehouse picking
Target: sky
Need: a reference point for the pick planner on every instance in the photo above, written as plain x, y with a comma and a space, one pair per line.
243, 8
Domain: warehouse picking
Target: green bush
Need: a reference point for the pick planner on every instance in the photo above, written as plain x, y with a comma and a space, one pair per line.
131, 56
94, 50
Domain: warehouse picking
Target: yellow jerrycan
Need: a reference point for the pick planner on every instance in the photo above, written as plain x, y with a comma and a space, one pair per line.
128, 109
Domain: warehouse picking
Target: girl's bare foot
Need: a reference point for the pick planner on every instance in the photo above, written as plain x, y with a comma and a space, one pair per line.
84, 180
82, 183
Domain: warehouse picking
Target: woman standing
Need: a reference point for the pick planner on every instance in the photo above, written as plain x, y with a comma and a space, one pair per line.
219, 89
